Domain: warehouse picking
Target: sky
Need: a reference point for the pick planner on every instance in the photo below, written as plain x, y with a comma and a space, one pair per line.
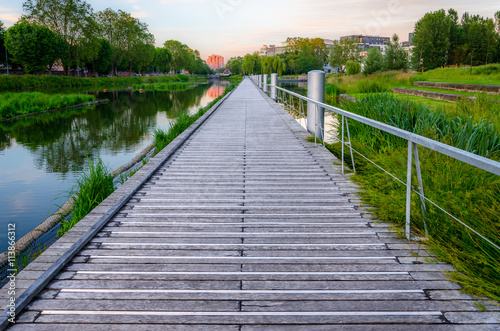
237, 27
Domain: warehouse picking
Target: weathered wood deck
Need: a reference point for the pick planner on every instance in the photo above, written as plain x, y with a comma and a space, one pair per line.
247, 227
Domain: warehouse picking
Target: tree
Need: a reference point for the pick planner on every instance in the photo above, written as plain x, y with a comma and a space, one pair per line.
180, 55
102, 63
235, 65
431, 40
113, 30
162, 59
3, 60
343, 51
396, 58
480, 39
251, 64
35, 47
278, 64
308, 60
71, 19
353, 68
374, 61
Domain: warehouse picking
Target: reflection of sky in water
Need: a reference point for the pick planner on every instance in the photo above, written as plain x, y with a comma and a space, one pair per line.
29, 193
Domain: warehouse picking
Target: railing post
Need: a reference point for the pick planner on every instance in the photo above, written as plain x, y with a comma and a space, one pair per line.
259, 79
274, 82
408, 189
316, 91
265, 83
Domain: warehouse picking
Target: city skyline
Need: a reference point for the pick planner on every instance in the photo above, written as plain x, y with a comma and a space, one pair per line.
237, 27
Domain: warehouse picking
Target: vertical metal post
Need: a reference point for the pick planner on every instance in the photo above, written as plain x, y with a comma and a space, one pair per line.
350, 145
274, 82
420, 186
342, 138
259, 77
316, 91
408, 190
265, 83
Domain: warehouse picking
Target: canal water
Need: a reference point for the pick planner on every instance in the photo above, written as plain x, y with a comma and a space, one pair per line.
41, 156
300, 111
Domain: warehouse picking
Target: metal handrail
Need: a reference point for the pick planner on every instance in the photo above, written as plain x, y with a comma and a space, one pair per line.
456, 153
413, 141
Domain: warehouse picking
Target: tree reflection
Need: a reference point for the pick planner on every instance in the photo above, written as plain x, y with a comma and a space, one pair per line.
62, 141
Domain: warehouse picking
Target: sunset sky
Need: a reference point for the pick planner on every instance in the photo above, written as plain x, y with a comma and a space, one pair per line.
238, 27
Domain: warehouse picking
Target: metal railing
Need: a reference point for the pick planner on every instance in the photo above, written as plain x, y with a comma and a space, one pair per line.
413, 140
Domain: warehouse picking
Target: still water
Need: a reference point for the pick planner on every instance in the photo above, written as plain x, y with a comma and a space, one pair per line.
41, 156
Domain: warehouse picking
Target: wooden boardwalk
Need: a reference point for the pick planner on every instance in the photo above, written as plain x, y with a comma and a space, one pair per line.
247, 227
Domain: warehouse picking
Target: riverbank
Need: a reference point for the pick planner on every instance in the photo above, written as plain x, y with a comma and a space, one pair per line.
13, 82
15, 104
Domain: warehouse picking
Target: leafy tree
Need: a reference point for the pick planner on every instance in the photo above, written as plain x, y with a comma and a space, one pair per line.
180, 55
2, 44
102, 63
374, 61
235, 65
308, 60
343, 51
431, 40
396, 58
251, 64
278, 65
72, 20
162, 59
480, 39
316, 46
353, 68
35, 47
113, 30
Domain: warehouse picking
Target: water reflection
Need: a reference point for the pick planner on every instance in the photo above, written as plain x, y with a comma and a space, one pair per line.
298, 109
40, 156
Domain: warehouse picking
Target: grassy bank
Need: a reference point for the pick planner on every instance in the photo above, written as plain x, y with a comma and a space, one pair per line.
470, 194
14, 104
173, 86
13, 82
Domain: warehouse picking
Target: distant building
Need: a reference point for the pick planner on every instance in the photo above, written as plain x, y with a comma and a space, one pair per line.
226, 72
215, 62
273, 50
367, 42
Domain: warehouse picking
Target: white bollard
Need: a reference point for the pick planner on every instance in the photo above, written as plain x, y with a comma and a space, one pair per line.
316, 114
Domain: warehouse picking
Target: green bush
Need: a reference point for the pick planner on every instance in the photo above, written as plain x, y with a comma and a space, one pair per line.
352, 68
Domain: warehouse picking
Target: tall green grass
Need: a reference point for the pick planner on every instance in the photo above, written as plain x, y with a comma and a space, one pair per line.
14, 82
13, 104
470, 194
173, 86
94, 185
484, 75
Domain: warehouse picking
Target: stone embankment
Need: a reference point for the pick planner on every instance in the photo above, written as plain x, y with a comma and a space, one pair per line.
490, 89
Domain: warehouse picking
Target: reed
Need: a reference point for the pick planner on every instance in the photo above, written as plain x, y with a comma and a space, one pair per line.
94, 185
468, 193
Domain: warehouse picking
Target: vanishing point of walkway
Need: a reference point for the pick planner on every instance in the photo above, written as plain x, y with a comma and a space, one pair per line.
247, 227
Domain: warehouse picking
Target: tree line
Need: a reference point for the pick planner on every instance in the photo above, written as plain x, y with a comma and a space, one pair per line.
69, 33
440, 39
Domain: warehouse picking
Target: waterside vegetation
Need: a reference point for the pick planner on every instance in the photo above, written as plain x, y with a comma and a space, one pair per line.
470, 194
14, 104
